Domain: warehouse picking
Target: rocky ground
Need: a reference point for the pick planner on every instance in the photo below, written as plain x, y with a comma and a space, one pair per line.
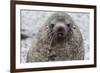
31, 21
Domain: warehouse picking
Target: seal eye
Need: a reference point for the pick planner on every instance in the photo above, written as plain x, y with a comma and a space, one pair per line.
68, 25
52, 25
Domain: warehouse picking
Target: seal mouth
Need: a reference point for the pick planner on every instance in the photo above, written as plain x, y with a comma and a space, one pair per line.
60, 34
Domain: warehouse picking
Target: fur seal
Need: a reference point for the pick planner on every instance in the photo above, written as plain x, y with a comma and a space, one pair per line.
59, 39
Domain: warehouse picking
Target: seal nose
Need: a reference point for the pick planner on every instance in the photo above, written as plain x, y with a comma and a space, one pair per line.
60, 29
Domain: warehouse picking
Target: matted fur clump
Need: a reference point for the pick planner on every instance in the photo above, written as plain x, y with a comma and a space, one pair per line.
59, 39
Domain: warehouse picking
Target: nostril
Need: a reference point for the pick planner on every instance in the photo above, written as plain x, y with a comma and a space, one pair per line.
60, 29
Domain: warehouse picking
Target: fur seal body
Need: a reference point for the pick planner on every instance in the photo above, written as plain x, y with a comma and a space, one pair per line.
59, 39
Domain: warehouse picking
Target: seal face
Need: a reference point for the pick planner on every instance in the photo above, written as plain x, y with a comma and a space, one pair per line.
58, 40
59, 27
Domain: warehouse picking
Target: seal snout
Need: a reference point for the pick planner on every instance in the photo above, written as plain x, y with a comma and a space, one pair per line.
60, 29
